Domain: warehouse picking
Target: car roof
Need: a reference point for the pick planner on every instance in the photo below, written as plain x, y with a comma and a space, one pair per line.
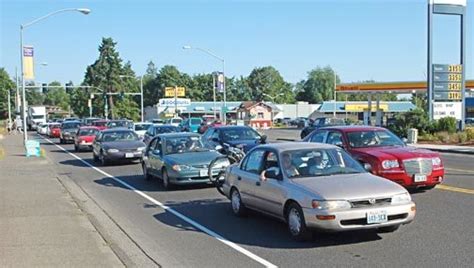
163, 125
291, 146
116, 129
71, 121
177, 134
230, 127
353, 128
89, 127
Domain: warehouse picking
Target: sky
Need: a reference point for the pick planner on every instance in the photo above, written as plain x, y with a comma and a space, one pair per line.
371, 39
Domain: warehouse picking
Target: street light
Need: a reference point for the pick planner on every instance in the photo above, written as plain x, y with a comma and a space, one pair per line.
273, 97
84, 11
208, 52
141, 92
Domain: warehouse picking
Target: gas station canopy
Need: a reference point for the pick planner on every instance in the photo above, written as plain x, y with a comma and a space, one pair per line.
388, 87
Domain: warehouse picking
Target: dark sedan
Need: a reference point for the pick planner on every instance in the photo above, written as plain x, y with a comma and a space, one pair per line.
321, 122
242, 137
117, 144
68, 131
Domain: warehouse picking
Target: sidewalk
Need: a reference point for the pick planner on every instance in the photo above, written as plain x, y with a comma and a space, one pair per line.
446, 148
40, 224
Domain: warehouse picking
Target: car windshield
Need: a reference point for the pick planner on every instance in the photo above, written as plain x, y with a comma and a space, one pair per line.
119, 136
235, 134
113, 124
71, 125
169, 129
54, 126
318, 162
38, 116
87, 132
195, 121
183, 144
139, 127
378, 138
176, 120
99, 123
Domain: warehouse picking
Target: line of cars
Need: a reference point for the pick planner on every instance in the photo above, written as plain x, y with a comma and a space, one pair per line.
337, 178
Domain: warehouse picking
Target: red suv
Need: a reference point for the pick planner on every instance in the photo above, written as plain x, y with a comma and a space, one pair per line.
384, 154
85, 137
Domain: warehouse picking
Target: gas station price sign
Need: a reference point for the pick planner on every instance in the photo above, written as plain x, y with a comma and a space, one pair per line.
447, 81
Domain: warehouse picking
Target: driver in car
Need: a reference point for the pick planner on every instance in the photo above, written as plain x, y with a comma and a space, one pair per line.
288, 166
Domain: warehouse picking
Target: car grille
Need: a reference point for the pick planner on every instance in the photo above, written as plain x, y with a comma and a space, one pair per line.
201, 166
128, 150
370, 202
363, 221
422, 166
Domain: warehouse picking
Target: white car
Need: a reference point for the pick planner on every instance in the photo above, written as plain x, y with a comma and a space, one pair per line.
140, 128
42, 128
176, 121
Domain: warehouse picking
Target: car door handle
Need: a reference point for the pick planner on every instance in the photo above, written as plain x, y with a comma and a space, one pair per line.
258, 183
239, 178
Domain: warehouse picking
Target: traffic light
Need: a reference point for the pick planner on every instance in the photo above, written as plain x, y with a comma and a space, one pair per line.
69, 87
121, 95
44, 88
104, 96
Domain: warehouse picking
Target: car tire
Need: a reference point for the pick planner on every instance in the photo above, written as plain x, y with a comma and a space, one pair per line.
166, 180
95, 158
61, 141
296, 223
146, 174
76, 148
388, 229
103, 160
429, 187
238, 207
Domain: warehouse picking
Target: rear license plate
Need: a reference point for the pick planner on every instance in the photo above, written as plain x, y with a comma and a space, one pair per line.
129, 155
203, 172
419, 177
377, 217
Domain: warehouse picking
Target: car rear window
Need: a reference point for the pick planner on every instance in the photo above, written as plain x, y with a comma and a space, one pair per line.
87, 132
169, 129
71, 125
139, 127
195, 121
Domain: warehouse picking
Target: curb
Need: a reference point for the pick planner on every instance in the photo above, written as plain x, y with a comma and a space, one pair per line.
448, 151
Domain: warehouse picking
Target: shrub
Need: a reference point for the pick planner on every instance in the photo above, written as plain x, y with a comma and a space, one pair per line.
462, 137
470, 134
413, 119
447, 124
443, 137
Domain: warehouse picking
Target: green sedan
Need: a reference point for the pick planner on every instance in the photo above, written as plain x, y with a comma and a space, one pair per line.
178, 158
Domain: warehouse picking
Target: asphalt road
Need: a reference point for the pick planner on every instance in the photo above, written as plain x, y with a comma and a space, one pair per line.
441, 235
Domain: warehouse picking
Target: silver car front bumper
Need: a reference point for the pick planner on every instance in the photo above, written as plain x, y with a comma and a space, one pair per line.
356, 218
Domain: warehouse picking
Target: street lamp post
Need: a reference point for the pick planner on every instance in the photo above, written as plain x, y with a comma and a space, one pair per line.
84, 11
141, 93
224, 117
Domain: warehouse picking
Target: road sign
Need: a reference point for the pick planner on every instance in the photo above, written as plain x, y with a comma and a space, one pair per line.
170, 91
447, 68
444, 109
170, 102
443, 86
447, 77
447, 82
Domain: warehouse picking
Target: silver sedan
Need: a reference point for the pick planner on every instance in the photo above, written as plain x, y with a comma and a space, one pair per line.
315, 187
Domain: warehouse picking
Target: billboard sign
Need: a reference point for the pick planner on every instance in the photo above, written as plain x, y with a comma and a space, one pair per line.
170, 102
170, 91
28, 64
445, 109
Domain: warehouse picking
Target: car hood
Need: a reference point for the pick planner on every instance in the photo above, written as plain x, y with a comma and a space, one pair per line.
123, 144
86, 138
398, 152
246, 144
192, 158
349, 186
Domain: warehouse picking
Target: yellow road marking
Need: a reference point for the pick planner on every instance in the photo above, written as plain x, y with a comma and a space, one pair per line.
454, 189
460, 170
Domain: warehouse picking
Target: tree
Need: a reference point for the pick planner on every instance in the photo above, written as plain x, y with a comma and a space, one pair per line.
267, 81
57, 96
7, 86
78, 100
105, 72
150, 85
33, 95
319, 86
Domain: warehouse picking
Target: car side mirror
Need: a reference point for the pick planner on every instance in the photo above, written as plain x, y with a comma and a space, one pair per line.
339, 144
405, 140
157, 151
368, 167
263, 138
273, 173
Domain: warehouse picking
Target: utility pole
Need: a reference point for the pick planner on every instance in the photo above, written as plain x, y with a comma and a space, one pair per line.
176, 101
9, 109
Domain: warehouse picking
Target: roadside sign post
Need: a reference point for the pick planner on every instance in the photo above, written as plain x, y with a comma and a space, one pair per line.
175, 92
447, 82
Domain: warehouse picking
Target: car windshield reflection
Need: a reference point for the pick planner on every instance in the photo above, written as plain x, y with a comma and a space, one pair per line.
379, 138
179, 145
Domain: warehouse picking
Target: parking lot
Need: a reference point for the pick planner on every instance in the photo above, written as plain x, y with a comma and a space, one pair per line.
194, 226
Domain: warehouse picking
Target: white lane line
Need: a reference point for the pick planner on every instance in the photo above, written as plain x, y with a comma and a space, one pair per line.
174, 212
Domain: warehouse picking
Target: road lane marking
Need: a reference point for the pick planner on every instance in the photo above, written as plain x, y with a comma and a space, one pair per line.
172, 211
454, 189
460, 170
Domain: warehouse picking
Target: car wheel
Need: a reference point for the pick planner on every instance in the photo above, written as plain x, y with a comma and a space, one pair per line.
236, 203
94, 156
166, 180
102, 159
429, 187
145, 172
388, 229
61, 141
296, 223
76, 148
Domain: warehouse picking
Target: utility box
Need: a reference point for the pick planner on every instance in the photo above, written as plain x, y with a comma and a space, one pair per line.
412, 135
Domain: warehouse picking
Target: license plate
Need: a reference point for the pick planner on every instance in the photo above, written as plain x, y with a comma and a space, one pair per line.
129, 155
377, 217
203, 173
419, 177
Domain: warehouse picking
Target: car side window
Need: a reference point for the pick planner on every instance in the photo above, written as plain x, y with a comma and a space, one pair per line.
152, 145
215, 135
207, 135
334, 138
254, 161
157, 145
271, 160
98, 137
318, 136
150, 131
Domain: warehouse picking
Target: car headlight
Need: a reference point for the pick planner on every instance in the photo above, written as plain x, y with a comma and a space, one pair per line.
330, 205
388, 164
181, 167
436, 161
141, 149
112, 150
401, 199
